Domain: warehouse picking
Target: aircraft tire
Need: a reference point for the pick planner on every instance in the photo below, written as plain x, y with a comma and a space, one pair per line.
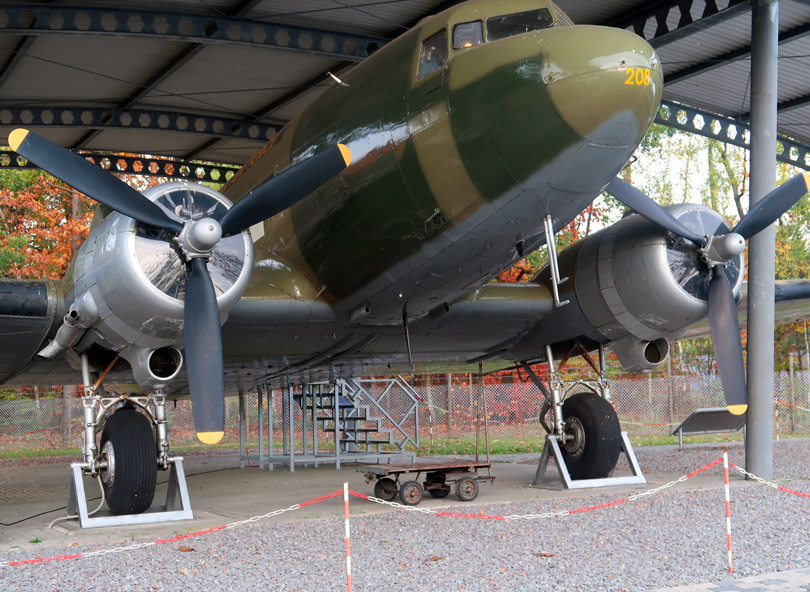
597, 442
129, 486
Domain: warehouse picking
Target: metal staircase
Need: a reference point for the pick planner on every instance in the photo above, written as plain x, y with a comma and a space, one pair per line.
358, 430
361, 419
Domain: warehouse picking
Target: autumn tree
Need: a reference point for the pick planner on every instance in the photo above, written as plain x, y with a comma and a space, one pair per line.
42, 224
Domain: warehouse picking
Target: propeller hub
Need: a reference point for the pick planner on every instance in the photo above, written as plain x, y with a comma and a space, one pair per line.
720, 249
198, 238
730, 245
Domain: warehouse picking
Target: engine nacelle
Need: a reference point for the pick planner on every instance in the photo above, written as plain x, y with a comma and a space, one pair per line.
129, 284
632, 286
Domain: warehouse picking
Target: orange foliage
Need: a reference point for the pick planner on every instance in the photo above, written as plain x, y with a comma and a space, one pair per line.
41, 227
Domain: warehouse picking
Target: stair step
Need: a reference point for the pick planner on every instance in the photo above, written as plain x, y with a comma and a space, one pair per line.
368, 430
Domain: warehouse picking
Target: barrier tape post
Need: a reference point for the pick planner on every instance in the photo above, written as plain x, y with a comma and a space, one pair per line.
348, 541
776, 418
728, 509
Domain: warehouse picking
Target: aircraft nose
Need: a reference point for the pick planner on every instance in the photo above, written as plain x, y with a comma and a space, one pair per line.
605, 83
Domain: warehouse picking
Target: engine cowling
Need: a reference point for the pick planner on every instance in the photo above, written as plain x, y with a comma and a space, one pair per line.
129, 284
632, 286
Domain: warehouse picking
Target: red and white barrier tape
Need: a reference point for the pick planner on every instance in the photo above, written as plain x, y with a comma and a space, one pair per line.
780, 402
768, 483
618, 502
173, 539
347, 492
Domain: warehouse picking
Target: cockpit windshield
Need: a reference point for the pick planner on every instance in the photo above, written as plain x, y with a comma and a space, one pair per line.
500, 27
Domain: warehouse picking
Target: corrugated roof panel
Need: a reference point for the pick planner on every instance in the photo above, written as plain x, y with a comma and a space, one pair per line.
361, 17
585, 12
703, 46
237, 81
143, 141
796, 122
294, 107
236, 151
723, 90
85, 69
794, 66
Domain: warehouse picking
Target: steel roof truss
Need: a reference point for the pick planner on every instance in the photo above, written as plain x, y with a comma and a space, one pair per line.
728, 130
687, 24
85, 117
207, 29
139, 165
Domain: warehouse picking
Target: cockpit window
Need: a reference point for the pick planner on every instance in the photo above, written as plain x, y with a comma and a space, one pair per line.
500, 27
468, 34
434, 53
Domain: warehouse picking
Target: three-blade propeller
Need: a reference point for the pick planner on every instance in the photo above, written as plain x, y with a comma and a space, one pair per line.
716, 251
197, 240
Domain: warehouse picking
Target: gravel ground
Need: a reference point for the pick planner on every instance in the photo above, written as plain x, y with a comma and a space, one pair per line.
667, 539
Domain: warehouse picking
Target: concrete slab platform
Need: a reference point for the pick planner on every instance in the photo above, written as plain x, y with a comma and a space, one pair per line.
221, 492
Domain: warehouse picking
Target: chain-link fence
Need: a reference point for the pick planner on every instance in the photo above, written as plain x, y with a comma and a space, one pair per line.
449, 409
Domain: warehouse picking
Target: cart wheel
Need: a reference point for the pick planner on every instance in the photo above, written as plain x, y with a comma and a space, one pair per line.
467, 489
410, 493
385, 489
440, 493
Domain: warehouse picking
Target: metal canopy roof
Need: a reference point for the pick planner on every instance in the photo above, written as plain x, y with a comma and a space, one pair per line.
215, 79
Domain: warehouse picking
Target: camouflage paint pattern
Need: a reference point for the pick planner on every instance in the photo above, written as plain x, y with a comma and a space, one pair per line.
505, 127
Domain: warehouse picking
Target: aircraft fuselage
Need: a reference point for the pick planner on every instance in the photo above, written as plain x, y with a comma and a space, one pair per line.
455, 162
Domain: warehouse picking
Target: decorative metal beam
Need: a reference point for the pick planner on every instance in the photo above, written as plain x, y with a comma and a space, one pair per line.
728, 130
178, 170
89, 117
690, 18
197, 28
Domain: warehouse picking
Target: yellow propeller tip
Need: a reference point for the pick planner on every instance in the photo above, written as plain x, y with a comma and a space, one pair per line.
346, 153
210, 437
806, 180
16, 138
737, 409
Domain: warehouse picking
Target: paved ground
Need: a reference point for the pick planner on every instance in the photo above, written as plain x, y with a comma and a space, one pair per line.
32, 496
797, 580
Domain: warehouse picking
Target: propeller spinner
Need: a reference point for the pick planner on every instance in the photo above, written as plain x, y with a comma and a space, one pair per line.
716, 251
197, 239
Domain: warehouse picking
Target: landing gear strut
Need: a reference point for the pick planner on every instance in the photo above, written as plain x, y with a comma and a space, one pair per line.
585, 438
130, 452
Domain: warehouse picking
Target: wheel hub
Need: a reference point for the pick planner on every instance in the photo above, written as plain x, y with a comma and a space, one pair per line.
574, 433
107, 464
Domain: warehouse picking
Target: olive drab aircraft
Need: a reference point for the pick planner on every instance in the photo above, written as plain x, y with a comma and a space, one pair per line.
363, 240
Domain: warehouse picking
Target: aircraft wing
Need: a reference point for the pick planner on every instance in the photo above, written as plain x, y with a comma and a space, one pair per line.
286, 338
792, 304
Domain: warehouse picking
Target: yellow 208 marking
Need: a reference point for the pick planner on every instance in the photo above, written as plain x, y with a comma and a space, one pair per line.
638, 76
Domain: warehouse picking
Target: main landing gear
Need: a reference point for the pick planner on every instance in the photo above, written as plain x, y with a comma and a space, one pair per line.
585, 438
132, 448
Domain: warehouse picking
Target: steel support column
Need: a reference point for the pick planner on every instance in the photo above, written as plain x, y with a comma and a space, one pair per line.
762, 249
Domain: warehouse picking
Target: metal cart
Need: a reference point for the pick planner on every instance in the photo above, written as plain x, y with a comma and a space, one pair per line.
439, 479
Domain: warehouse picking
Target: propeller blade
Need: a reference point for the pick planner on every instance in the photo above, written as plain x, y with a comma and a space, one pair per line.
91, 180
725, 330
206, 377
640, 203
285, 189
768, 210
